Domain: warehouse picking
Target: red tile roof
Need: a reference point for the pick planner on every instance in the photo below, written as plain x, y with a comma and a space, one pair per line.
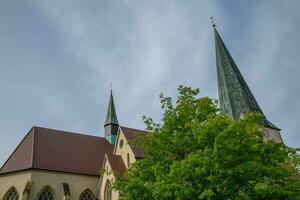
117, 164
130, 135
22, 157
49, 149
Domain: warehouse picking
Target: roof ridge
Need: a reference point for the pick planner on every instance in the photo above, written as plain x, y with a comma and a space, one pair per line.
69, 132
132, 128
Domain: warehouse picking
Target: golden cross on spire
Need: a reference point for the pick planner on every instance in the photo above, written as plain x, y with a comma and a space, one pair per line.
213, 21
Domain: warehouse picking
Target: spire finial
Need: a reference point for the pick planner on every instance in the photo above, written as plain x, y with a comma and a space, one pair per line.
111, 86
213, 21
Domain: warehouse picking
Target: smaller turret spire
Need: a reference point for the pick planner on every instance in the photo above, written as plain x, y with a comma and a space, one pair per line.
111, 115
111, 124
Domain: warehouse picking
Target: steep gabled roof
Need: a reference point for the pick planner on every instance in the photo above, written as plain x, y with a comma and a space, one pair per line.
55, 150
131, 134
22, 157
235, 97
117, 164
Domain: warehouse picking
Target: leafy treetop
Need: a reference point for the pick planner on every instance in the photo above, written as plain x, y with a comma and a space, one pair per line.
197, 153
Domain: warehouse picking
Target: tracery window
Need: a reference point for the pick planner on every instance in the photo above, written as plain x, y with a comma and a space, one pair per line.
107, 191
87, 195
46, 194
11, 194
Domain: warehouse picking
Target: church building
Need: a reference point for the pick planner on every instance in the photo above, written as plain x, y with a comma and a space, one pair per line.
51, 164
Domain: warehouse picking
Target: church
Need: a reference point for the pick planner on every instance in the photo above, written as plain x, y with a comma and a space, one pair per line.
51, 164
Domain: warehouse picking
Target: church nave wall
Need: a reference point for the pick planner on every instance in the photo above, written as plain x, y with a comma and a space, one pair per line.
77, 184
49, 181
18, 180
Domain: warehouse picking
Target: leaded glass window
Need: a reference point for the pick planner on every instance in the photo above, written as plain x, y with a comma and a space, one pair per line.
46, 194
87, 195
11, 194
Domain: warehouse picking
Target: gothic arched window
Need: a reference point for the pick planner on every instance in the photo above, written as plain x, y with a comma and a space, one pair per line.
46, 194
11, 194
107, 191
121, 144
128, 160
87, 195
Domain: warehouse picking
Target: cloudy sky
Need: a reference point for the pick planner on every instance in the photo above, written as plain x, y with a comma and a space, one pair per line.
58, 58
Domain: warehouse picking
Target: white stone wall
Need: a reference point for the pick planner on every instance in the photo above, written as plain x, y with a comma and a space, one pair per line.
272, 134
77, 183
40, 178
107, 175
17, 180
122, 150
125, 149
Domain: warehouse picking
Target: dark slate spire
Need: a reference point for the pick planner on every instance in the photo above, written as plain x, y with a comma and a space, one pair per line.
111, 116
111, 124
235, 97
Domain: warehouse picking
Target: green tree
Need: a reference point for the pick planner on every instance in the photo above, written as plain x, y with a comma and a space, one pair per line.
197, 153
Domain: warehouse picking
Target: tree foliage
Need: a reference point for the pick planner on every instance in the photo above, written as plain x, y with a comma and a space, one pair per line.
197, 153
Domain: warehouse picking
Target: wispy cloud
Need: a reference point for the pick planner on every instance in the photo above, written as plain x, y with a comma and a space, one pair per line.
143, 47
68, 52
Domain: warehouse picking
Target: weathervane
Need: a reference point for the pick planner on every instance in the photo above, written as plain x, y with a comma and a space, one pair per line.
213, 21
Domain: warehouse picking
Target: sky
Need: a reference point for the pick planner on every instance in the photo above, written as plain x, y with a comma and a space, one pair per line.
58, 58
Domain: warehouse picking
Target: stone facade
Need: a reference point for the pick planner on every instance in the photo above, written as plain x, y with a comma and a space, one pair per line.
124, 149
30, 183
53, 180
105, 182
17, 180
272, 134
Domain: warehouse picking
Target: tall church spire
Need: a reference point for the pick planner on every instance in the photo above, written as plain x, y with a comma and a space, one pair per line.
235, 97
111, 124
